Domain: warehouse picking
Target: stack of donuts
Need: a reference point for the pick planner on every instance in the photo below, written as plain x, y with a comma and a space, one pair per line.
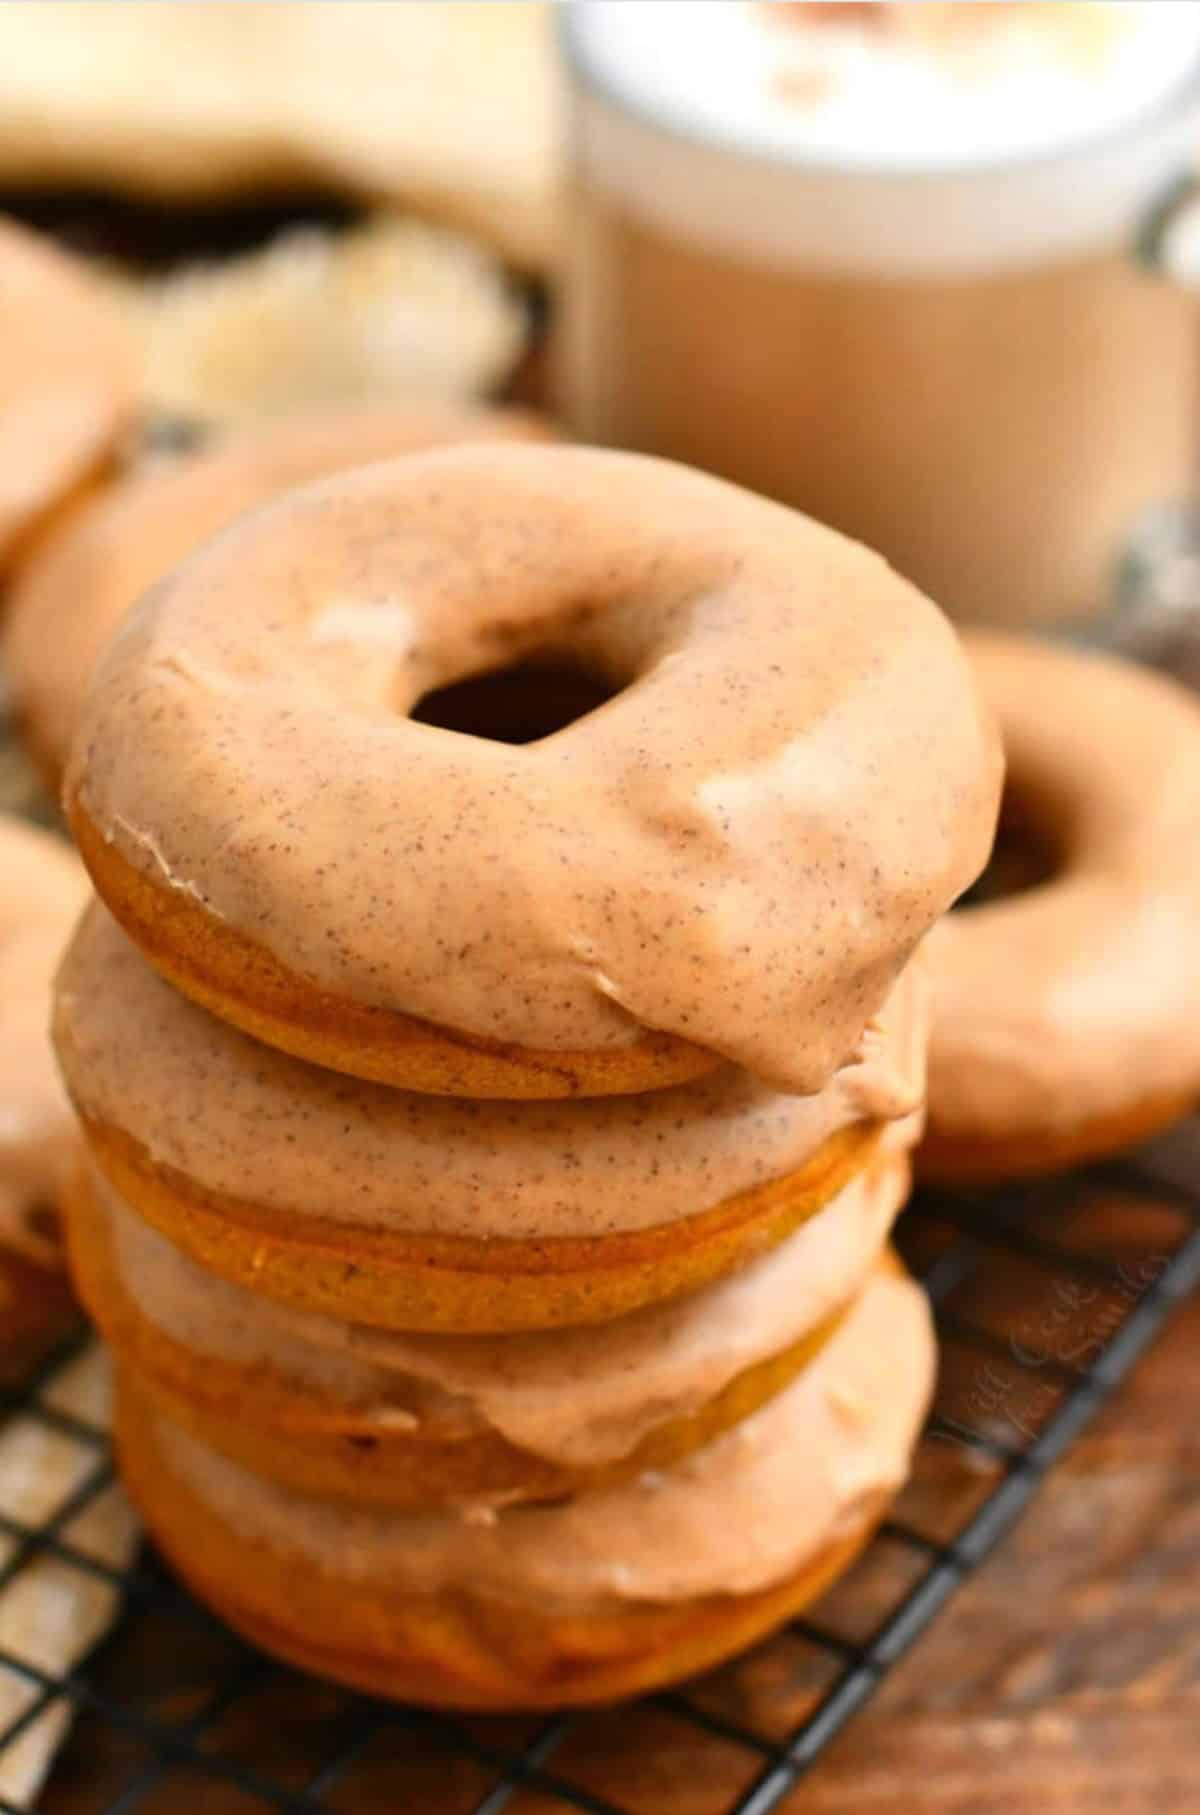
498, 1045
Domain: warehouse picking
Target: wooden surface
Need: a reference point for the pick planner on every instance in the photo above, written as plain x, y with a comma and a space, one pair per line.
1066, 1676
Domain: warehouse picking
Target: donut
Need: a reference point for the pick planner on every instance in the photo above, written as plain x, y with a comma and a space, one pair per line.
1067, 1018
425, 1423
67, 386
415, 1212
69, 598
281, 788
601, 1596
42, 890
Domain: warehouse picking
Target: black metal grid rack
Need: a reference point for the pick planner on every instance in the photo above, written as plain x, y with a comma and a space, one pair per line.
1046, 1295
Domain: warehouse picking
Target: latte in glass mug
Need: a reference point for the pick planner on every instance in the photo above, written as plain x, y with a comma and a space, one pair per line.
880, 262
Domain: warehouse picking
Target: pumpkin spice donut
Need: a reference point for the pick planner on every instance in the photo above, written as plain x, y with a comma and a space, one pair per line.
415, 1212
42, 891
67, 387
281, 789
428, 1422
69, 598
588, 1600
1067, 1020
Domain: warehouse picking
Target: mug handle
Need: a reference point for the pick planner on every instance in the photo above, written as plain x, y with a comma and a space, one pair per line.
1168, 240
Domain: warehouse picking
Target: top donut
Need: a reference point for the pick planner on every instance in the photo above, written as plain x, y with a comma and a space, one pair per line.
785, 777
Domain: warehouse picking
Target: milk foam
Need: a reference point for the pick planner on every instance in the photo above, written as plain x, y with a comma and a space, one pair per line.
1052, 132
1028, 80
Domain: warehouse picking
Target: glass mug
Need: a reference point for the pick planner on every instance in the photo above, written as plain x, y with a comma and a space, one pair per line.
967, 365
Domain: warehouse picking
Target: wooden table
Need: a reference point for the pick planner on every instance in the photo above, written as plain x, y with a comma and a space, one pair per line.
1065, 1678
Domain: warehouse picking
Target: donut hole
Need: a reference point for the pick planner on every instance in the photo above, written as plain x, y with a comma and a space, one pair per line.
518, 703
1025, 856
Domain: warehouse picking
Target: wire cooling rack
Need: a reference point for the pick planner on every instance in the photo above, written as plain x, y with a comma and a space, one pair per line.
1045, 1295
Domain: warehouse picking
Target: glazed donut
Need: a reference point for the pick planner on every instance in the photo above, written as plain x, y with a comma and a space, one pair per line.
415, 1212
69, 598
733, 857
67, 385
42, 890
1067, 1021
599, 1597
429, 1422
